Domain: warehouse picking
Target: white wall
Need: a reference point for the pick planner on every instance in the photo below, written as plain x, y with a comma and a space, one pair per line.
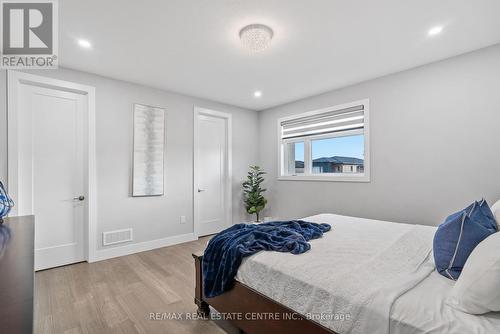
433, 140
435, 144
151, 217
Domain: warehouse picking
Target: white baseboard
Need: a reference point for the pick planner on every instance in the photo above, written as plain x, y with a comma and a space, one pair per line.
103, 254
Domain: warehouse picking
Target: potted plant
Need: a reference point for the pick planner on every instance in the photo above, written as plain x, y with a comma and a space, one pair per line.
252, 191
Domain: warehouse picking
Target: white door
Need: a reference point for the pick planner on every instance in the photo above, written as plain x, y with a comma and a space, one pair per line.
212, 173
51, 150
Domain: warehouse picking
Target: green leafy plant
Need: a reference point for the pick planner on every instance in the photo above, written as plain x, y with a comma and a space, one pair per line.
252, 191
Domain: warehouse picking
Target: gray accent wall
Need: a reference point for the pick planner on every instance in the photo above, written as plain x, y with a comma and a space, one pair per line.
435, 144
151, 217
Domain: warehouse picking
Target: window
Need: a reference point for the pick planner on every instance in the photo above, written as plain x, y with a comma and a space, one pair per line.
295, 157
330, 144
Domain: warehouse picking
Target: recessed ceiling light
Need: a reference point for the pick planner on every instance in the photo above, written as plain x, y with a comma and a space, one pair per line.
256, 37
84, 43
257, 93
435, 31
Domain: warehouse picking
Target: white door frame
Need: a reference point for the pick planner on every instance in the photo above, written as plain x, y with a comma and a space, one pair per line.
15, 80
229, 197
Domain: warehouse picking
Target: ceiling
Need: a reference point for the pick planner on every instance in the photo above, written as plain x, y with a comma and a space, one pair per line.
192, 47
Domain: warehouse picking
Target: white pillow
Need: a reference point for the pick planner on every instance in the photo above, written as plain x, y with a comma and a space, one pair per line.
477, 290
496, 212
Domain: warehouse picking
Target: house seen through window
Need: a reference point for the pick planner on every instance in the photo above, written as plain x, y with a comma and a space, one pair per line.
328, 144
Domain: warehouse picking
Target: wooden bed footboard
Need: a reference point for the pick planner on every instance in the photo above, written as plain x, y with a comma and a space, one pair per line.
251, 311
203, 308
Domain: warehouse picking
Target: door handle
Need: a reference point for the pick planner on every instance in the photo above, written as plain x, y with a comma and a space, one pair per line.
200, 190
79, 198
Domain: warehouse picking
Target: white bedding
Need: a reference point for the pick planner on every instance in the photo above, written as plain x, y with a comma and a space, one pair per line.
366, 273
423, 310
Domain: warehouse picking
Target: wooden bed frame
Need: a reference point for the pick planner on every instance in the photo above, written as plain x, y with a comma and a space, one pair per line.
252, 312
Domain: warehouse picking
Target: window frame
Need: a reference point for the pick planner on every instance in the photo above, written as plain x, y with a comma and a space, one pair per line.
335, 177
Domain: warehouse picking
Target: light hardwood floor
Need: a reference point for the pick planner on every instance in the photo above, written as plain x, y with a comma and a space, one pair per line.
118, 295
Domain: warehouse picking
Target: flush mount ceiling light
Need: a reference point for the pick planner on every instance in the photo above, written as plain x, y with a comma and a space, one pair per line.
257, 93
256, 37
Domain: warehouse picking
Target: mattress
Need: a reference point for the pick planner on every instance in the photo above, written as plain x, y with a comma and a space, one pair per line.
293, 281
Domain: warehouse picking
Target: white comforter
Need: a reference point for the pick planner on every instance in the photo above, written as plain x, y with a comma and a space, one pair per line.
351, 277
423, 310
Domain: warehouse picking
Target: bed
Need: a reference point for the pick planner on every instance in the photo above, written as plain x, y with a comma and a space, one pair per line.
364, 276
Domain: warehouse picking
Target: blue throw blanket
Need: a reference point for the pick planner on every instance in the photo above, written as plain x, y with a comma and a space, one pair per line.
225, 251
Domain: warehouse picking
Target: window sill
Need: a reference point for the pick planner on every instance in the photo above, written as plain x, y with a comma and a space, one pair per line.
325, 178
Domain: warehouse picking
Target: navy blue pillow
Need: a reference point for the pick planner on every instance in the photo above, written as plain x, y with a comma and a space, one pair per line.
481, 214
454, 240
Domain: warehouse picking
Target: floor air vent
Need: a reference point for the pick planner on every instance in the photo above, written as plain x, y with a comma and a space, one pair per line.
116, 237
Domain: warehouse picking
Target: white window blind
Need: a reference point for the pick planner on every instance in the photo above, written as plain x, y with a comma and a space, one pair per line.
329, 122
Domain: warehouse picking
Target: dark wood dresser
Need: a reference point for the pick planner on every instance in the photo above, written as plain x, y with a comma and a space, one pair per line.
17, 275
